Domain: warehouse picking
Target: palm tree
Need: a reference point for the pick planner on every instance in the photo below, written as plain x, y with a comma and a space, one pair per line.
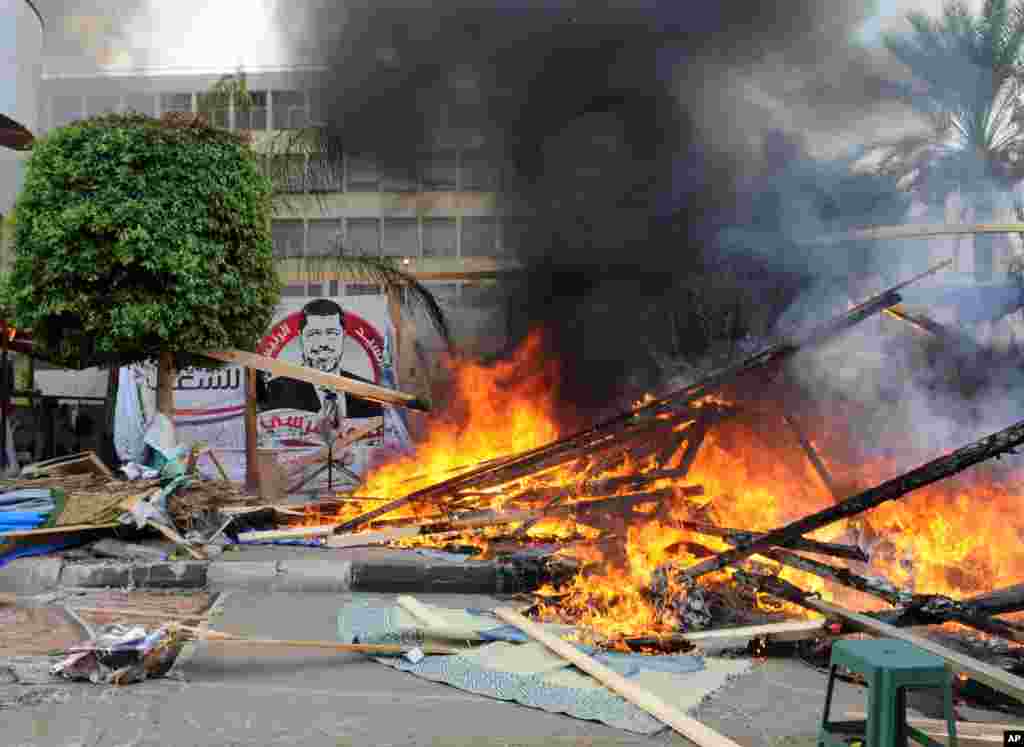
967, 85
277, 153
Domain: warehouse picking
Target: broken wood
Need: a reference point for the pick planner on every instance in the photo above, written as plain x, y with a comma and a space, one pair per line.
482, 519
794, 630
652, 704
363, 539
935, 609
995, 678
213, 636
737, 536
991, 446
73, 464
365, 390
128, 504
812, 456
1000, 601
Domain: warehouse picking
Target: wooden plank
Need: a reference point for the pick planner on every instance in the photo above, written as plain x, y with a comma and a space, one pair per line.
648, 701
938, 469
252, 470
486, 519
371, 538
371, 392
213, 636
791, 630
979, 728
84, 461
995, 678
69, 529
885, 233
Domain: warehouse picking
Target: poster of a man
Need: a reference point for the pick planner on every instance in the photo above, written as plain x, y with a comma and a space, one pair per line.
322, 336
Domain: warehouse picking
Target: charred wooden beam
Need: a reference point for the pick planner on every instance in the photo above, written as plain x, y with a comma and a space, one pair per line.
938, 469
739, 537
1000, 601
812, 456
995, 678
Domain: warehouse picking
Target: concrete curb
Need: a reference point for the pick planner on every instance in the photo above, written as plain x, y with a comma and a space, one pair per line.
333, 576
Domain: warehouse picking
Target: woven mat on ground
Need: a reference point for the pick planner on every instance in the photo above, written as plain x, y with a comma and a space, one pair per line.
505, 664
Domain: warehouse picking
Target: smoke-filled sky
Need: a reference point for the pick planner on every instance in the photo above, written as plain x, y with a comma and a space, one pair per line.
629, 128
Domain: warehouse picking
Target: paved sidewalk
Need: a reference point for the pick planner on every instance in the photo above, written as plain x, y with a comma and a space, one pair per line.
277, 568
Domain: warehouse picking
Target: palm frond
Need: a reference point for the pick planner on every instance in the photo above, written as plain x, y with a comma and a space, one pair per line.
386, 273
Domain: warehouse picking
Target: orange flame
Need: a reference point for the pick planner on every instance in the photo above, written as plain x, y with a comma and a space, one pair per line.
959, 537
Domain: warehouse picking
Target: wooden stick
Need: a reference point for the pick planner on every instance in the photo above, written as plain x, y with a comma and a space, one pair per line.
213, 636
967, 727
371, 392
812, 456
652, 704
371, 538
216, 463
484, 519
134, 612
784, 631
998, 443
885, 233
995, 678
849, 552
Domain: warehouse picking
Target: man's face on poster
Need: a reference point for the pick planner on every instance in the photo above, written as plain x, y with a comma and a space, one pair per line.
323, 342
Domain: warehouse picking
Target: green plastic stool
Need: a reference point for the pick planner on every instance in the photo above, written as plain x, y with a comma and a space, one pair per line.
890, 667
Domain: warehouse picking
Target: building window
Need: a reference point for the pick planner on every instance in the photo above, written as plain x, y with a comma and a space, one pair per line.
65, 110
323, 238
362, 289
479, 173
176, 102
253, 117
362, 174
439, 237
289, 109
362, 236
96, 105
400, 237
480, 237
288, 238
140, 103
438, 172
324, 174
397, 180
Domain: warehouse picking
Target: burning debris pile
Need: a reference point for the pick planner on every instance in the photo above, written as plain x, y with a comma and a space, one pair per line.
709, 474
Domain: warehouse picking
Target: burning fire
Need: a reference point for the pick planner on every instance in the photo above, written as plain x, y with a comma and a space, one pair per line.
958, 537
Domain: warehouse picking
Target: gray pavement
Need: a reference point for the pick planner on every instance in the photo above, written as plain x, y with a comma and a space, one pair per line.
223, 694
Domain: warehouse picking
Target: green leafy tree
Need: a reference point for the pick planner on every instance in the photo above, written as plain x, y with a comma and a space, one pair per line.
967, 85
141, 239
